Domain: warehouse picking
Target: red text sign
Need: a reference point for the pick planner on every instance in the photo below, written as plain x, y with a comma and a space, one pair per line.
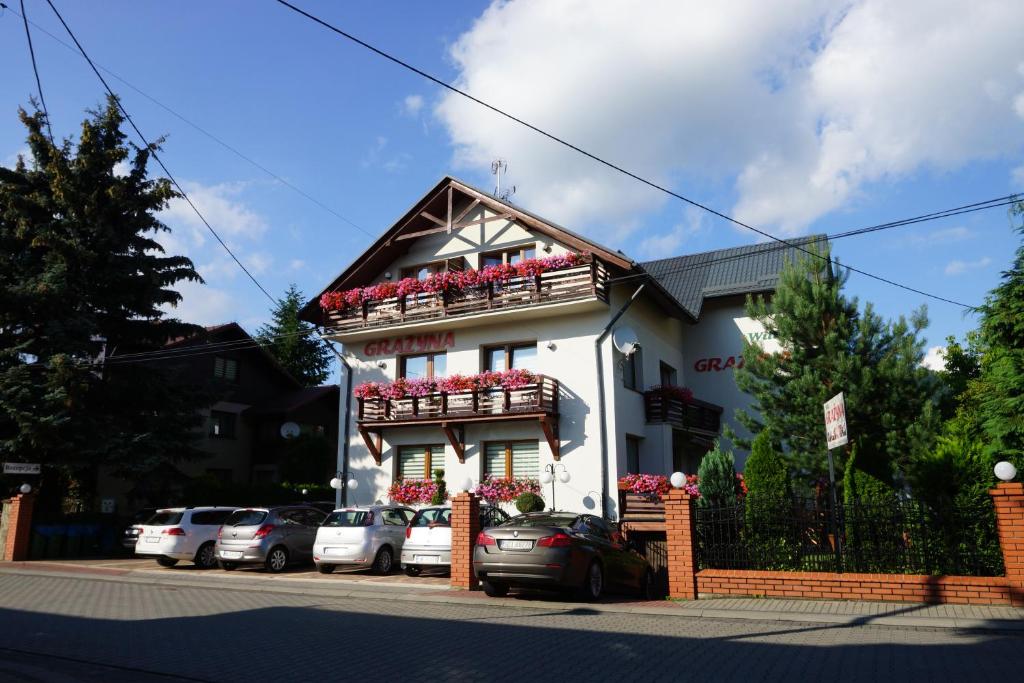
718, 364
413, 343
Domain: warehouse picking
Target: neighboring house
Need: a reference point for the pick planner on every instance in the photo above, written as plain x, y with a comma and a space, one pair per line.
557, 324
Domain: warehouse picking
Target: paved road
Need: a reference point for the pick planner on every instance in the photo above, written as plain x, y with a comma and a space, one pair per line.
82, 629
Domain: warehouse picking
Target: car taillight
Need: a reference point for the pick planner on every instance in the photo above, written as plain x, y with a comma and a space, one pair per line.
220, 532
484, 539
263, 531
174, 531
408, 531
559, 540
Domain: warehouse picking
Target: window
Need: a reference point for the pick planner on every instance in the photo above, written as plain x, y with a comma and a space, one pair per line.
424, 270
510, 256
393, 518
225, 369
632, 370
632, 454
669, 376
423, 366
508, 356
414, 462
511, 459
432, 517
222, 425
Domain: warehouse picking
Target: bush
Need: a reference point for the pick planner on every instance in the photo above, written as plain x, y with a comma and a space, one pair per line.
529, 502
717, 475
440, 495
768, 492
765, 472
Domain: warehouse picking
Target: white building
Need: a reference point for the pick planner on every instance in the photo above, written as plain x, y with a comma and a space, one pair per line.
557, 324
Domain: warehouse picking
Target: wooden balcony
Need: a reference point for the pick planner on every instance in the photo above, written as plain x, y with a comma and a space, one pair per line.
452, 411
694, 415
586, 281
640, 513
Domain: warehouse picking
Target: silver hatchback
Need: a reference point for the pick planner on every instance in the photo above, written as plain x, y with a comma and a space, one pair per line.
274, 537
360, 537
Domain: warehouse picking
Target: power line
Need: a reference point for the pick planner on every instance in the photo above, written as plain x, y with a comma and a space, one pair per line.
35, 70
152, 150
592, 156
241, 155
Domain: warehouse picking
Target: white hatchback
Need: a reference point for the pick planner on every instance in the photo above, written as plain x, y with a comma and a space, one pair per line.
428, 538
175, 534
361, 537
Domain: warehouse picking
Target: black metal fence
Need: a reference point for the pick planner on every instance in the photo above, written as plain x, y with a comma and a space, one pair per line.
901, 536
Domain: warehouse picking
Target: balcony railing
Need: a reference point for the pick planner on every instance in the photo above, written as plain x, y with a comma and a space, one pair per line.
585, 281
693, 415
533, 400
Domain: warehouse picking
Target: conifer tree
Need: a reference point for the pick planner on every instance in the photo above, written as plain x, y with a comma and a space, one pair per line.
294, 344
717, 478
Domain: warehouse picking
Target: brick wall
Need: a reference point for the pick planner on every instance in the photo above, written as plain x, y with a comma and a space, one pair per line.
465, 527
1008, 498
19, 527
680, 534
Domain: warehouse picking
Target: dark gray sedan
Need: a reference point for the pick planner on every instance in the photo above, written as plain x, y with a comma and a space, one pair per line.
559, 550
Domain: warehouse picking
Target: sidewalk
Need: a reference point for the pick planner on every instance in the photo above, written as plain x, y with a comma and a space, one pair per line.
436, 589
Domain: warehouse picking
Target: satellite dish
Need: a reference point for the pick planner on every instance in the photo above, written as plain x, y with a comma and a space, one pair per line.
290, 430
625, 340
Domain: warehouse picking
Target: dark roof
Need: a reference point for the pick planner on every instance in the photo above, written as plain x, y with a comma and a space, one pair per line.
292, 401
750, 269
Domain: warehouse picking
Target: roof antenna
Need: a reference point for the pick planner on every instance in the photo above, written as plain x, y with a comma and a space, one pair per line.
499, 167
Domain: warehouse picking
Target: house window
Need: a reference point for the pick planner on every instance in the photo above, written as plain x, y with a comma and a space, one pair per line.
423, 366
669, 376
508, 356
424, 270
510, 256
222, 475
633, 454
414, 462
632, 370
511, 459
225, 368
222, 425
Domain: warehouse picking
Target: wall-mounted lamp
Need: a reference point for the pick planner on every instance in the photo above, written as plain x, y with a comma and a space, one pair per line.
388, 275
546, 248
382, 364
551, 346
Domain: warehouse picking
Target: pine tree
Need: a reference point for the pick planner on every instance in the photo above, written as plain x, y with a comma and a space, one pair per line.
82, 277
765, 473
293, 342
829, 345
717, 478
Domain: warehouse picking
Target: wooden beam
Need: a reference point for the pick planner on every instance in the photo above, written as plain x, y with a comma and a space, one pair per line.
444, 228
550, 428
481, 221
371, 443
432, 217
449, 209
419, 233
462, 214
457, 440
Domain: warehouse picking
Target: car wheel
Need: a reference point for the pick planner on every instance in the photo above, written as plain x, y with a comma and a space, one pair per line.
227, 566
277, 560
166, 561
412, 570
494, 590
325, 568
384, 562
647, 586
593, 584
205, 556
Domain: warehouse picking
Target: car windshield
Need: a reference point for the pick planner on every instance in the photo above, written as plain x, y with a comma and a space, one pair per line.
346, 518
246, 518
555, 520
165, 518
435, 516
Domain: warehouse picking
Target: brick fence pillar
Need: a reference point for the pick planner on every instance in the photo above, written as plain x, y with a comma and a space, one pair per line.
1009, 502
681, 535
19, 527
465, 527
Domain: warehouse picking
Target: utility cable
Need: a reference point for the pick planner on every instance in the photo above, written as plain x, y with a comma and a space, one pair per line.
35, 70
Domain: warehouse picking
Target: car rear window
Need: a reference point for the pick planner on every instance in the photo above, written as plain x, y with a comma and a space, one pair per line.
165, 518
346, 518
246, 518
430, 516
541, 520
210, 517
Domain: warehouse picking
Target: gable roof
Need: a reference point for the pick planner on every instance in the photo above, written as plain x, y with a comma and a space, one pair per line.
226, 333
749, 269
365, 266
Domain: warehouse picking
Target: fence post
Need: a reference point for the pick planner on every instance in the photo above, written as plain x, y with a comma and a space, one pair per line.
681, 535
465, 527
1008, 498
19, 527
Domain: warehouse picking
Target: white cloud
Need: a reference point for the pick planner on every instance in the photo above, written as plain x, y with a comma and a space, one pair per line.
670, 243
943, 236
203, 305
296, 264
935, 358
802, 103
958, 267
412, 104
220, 205
1017, 176
12, 160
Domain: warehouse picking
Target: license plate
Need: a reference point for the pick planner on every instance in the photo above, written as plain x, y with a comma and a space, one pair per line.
231, 554
515, 545
152, 539
337, 550
425, 559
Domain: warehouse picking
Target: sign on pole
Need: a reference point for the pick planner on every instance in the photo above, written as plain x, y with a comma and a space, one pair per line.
21, 468
835, 421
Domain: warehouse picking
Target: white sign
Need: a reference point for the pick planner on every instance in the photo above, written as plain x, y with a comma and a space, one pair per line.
108, 506
21, 468
835, 421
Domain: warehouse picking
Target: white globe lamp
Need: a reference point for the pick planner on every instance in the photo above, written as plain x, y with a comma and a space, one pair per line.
1005, 471
467, 484
25, 488
546, 478
678, 480
564, 477
353, 484
335, 483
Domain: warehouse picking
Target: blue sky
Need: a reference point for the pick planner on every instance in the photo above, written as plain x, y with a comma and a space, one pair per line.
819, 118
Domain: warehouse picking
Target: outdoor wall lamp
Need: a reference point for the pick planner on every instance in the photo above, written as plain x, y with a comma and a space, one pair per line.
467, 485
1005, 471
548, 477
381, 364
678, 480
27, 488
337, 484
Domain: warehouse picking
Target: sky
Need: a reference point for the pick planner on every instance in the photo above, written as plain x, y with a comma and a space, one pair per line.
796, 116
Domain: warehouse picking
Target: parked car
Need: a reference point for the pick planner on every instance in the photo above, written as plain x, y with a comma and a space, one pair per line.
175, 534
272, 536
130, 536
428, 538
559, 550
361, 537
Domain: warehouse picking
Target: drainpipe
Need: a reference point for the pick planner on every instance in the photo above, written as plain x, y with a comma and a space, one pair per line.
601, 409
344, 412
